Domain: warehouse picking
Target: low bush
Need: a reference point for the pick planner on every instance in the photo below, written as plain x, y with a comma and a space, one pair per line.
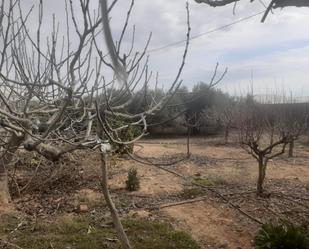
282, 235
132, 183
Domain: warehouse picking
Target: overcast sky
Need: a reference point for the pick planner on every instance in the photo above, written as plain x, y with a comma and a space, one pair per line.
274, 54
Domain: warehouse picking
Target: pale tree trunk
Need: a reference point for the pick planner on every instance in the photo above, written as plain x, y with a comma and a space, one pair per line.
114, 213
291, 149
6, 158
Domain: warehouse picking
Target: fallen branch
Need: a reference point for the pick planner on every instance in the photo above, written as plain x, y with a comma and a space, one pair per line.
179, 203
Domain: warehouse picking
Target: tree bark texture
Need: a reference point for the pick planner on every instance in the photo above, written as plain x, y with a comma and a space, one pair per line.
6, 157
125, 244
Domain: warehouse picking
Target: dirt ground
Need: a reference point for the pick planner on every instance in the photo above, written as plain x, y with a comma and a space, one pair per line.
211, 224
229, 213
234, 172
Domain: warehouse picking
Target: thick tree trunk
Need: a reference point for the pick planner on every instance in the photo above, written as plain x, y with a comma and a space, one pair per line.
115, 217
261, 176
6, 158
291, 149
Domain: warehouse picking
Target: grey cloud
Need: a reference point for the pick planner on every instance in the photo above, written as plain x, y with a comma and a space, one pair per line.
166, 19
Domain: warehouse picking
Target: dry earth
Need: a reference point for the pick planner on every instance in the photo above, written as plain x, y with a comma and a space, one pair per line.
227, 169
213, 223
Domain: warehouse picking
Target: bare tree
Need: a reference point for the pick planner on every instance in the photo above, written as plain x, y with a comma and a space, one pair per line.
130, 70
223, 114
264, 132
54, 98
44, 81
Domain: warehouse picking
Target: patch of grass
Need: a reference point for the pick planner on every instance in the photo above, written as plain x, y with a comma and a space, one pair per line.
209, 182
77, 233
86, 232
203, 181
157, 235
191, 193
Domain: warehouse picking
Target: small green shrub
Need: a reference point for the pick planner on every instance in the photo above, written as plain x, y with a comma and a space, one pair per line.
203, 181
283, 235
132, 183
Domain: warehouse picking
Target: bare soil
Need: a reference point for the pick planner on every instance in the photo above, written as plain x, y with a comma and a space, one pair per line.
212, 224
225, 169
234, 172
